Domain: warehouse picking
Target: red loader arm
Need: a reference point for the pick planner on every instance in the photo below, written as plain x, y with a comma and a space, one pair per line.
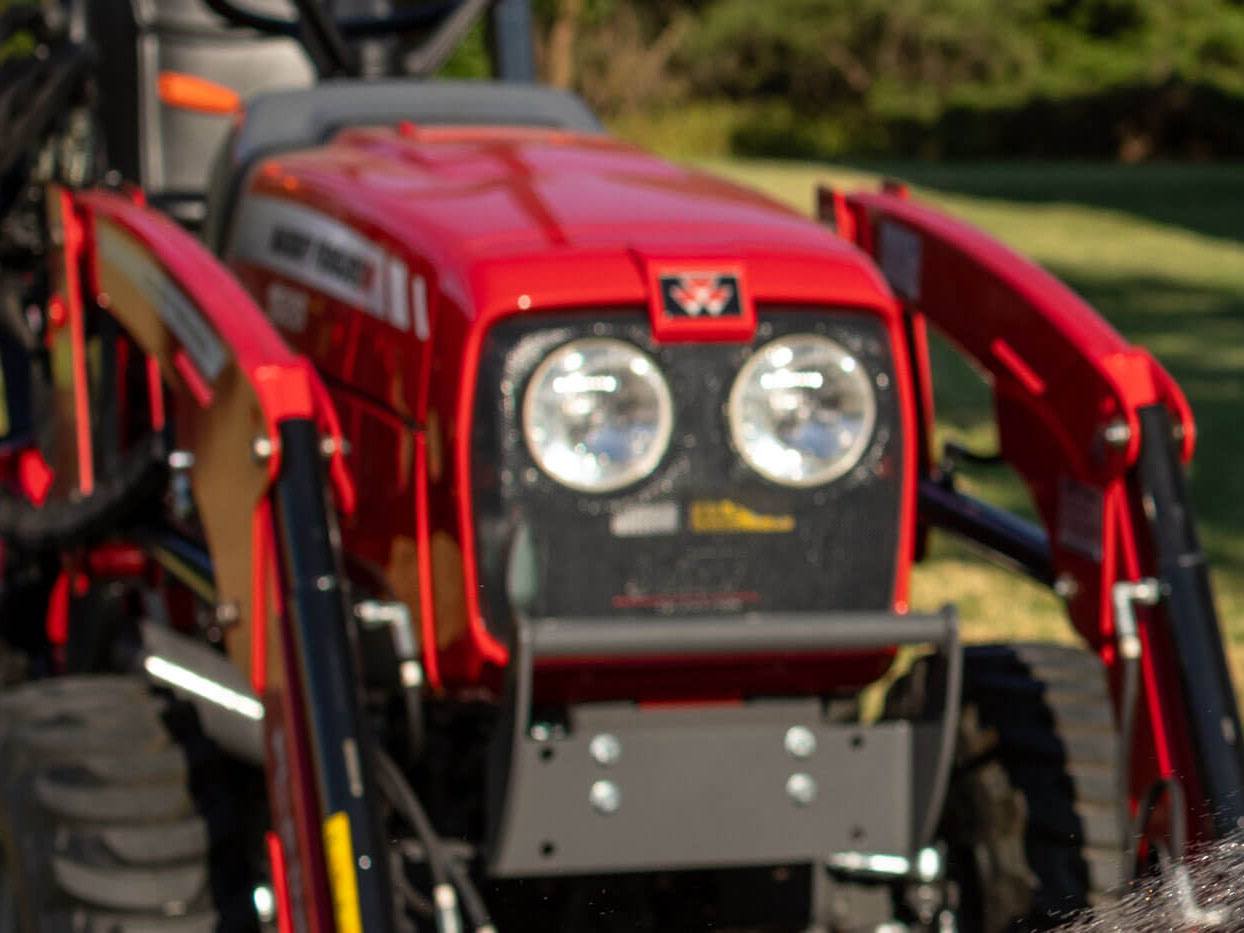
1097, 430
252, 426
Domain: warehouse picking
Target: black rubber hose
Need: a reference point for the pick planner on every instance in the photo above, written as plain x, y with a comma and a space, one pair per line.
416, 733
1127, 727
399, 793
476, 911
447, 873
134, 486
1179, 826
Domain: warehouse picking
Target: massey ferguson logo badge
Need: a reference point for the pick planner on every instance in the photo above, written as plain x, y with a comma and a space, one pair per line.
701, 294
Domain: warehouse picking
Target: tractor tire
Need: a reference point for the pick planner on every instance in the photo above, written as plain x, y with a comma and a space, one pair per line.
107, 817
1032, 818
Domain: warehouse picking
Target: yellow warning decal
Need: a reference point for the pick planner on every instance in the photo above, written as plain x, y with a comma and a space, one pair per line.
723, 516
339, 854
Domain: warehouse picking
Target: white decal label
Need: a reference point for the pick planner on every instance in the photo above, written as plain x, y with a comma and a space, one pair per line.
419, 298
181, 315
325, 255
645, 521
1080, 517
399, 310
902, 259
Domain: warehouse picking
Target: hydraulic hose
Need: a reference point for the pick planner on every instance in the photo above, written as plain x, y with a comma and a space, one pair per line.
130, 489
448, 875
1131, 690
1125, 596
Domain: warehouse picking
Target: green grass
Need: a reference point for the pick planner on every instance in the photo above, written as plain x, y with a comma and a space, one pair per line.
1159, 251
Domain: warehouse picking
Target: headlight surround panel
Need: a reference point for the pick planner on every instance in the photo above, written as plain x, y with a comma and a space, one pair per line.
704, 532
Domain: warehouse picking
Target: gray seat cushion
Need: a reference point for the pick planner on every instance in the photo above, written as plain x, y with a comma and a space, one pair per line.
282, 120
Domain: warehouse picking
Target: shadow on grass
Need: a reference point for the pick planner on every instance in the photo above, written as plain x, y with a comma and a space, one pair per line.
1172, 120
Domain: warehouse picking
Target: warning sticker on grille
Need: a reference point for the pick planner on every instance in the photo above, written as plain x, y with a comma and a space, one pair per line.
646, 520
723, 516
1081, 509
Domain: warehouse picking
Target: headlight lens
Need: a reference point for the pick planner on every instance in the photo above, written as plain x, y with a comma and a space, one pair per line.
597, 415
802, 410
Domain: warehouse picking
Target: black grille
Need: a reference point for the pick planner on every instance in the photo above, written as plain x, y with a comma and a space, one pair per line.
548, 550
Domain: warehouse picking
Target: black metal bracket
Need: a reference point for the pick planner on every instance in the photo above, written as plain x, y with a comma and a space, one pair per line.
316, 605
549, 800
1192, 625
1005, 537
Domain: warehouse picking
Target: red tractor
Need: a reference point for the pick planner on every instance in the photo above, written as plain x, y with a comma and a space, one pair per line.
485, 519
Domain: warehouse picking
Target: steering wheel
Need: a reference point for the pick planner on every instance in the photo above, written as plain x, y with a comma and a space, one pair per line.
350, 28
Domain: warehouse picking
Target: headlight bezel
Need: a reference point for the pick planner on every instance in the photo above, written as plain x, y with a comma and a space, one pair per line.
657, 448
856, 372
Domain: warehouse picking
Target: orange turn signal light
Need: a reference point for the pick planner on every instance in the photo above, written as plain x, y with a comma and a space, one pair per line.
188, 92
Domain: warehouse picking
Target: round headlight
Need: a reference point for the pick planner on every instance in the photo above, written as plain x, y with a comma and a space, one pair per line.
802, 410
597, 415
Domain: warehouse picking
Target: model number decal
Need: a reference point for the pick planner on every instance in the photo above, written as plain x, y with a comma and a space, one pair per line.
328, 256
1081, 509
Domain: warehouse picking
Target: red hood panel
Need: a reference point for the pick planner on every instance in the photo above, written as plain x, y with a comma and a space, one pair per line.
496, 192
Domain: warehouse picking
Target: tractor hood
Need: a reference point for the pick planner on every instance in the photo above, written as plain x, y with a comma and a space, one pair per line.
463, 196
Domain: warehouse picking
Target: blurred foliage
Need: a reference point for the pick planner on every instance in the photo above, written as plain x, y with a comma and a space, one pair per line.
18, 44
1126, 79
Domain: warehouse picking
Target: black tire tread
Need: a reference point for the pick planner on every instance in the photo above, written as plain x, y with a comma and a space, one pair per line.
96, 795
1044, 717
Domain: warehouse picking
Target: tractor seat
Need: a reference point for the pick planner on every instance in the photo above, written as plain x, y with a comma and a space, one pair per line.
166, 149
281, 121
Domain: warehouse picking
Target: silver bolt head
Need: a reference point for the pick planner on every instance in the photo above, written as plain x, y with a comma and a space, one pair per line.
265, 903
262, 448
329, 447
228, 613
801, 789
605, 797
1117, 433
1066, 586
800, 742
180, 460
605, 749
928, 864
541, 732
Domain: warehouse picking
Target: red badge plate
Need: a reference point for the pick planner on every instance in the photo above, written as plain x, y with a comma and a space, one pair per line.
701, 301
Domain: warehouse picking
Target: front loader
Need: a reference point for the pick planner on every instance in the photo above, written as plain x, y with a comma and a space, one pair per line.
421, 510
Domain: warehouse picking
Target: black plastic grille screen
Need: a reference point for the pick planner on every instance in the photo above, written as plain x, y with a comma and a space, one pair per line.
704, 532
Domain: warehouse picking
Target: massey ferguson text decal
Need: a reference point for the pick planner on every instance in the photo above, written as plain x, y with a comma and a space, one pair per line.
695, 294
330, 257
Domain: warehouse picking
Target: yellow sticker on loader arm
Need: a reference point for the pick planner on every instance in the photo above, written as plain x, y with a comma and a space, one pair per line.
339, 856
